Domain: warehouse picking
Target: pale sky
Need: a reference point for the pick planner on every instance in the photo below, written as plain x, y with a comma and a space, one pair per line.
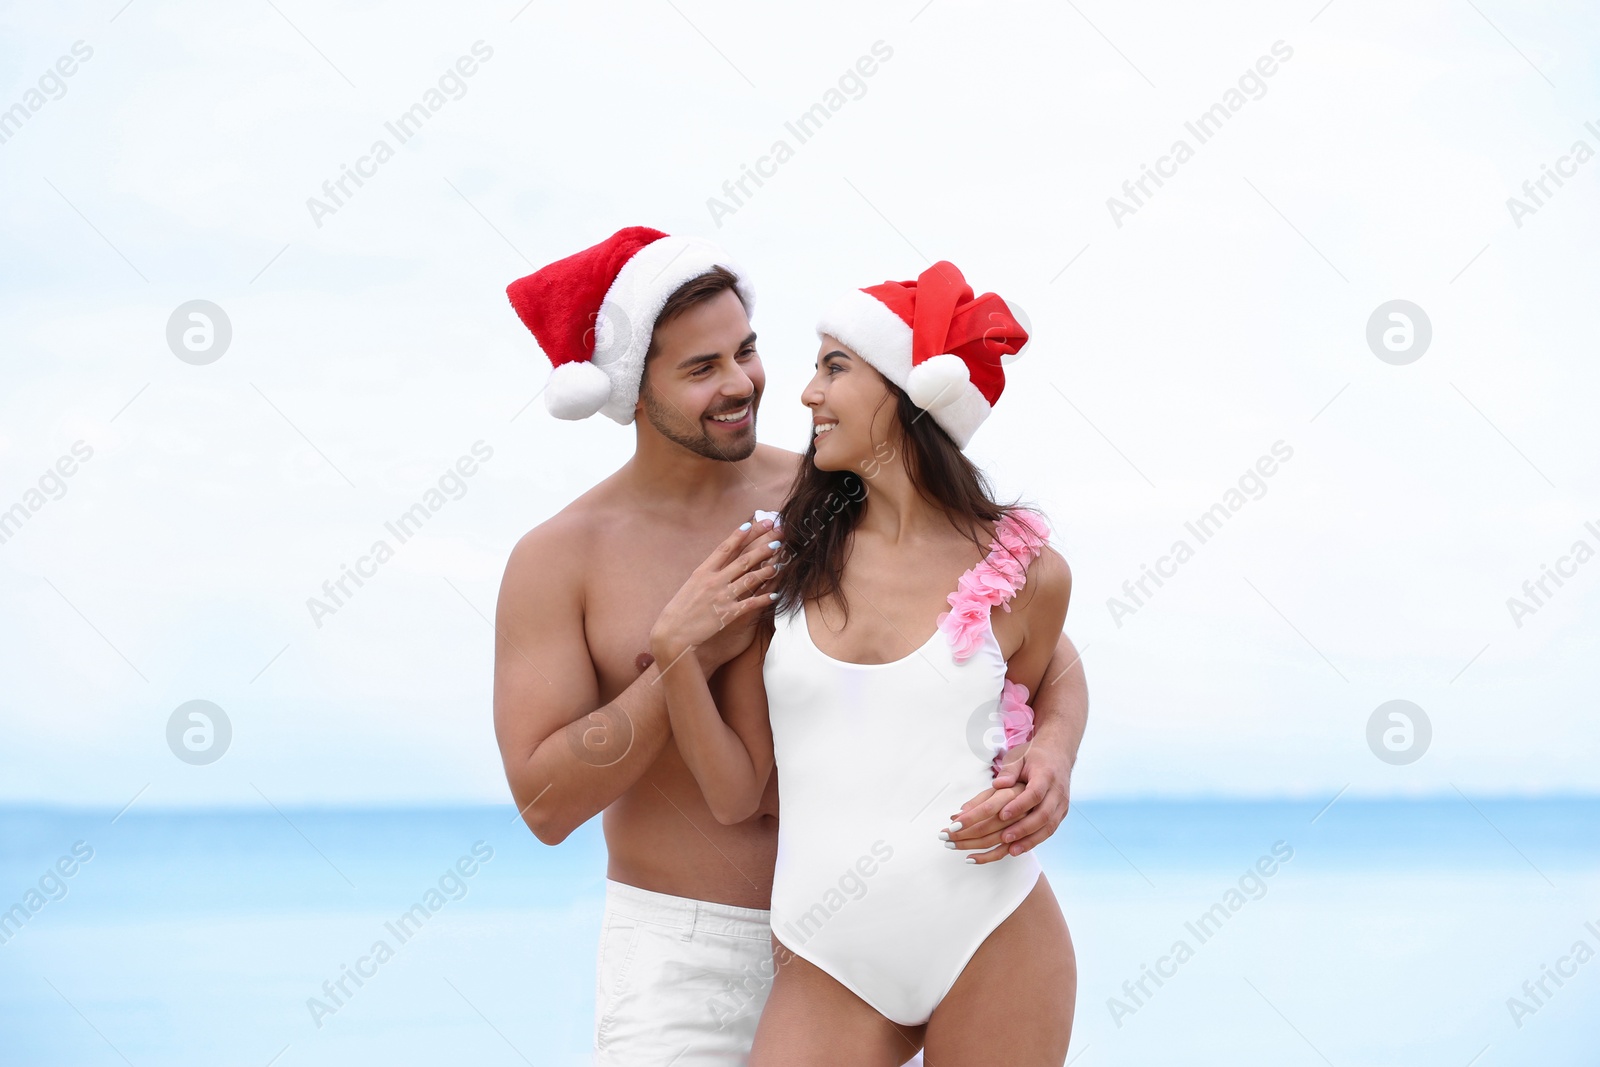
372, 347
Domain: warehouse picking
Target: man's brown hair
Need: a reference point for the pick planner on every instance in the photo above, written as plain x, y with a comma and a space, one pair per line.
696, 290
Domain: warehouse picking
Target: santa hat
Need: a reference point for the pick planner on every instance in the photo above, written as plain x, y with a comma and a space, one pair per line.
933, 339
594, 313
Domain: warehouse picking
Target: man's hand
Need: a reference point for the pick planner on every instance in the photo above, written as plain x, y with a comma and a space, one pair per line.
1028, 800
713, 614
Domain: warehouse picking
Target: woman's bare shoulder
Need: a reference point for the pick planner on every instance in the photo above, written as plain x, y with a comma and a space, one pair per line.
1049, 582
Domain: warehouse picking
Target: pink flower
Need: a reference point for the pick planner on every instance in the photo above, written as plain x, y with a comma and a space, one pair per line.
1015, 714
964, 627
1022, 532
986, 584
1016, 718
1019, 536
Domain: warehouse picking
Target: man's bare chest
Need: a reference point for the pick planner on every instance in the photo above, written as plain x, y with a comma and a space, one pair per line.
628, 582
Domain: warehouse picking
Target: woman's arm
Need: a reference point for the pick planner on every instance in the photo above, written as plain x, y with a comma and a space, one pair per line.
727, 741
1010, 819
1043, 614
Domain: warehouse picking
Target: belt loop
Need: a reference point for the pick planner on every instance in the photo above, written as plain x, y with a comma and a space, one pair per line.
694, 915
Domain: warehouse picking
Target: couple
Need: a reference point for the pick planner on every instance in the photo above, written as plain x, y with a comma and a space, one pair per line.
673, 654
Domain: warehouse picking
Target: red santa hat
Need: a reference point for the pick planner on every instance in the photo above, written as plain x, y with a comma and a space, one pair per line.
594, 313
933, 339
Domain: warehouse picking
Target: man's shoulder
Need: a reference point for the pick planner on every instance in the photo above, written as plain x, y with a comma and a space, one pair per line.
778, 464
556, 547
779, 456
561, 533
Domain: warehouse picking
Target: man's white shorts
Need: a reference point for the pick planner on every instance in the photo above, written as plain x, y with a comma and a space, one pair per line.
679, 981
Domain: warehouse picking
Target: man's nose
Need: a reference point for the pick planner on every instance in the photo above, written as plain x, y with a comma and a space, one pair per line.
737, 383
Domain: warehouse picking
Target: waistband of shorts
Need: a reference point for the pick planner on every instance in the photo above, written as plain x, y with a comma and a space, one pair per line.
686, 913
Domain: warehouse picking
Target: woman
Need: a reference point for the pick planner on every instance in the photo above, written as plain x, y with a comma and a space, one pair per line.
888, 937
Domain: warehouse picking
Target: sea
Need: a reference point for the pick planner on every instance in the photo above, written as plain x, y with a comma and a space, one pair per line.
1448, 931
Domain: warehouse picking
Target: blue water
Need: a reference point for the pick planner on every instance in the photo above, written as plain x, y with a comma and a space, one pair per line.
1395, 934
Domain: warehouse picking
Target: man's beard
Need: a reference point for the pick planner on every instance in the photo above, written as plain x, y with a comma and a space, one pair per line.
670, 423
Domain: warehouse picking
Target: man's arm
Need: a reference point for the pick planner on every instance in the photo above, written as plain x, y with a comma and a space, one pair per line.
1061, 713
565, 758
1060, 717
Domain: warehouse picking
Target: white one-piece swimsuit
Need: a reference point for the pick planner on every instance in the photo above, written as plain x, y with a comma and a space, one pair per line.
872, 760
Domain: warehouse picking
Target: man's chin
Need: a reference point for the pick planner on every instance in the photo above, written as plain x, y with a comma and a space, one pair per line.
737, 446
733, 443
728, 447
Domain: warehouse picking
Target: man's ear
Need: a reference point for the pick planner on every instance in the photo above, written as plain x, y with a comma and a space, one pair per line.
644, 380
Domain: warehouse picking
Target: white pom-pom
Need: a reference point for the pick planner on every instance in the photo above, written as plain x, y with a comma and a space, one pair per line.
576, 390
937, 382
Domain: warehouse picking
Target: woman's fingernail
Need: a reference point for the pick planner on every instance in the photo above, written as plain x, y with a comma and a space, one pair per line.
774, 544
953, 827
772, 596
972, 859
944, 835
949, 844
746, 526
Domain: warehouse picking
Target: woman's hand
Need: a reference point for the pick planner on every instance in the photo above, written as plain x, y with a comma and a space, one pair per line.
729, 588
1027, 802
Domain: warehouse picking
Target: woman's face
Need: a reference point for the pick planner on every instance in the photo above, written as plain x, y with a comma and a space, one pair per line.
853, 414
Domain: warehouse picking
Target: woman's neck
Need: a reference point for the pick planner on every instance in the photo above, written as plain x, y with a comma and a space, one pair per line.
895, 511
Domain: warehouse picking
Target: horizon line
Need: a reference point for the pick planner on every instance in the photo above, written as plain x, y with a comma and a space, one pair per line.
378, 806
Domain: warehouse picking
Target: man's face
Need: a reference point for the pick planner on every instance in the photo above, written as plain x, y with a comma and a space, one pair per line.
702, 384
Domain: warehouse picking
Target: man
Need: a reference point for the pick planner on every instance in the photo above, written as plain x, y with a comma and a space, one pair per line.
658, 327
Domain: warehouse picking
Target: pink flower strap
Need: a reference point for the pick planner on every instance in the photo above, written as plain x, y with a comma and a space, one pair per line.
1019, 537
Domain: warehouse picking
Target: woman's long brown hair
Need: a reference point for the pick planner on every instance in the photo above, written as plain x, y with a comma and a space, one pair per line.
824, 507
